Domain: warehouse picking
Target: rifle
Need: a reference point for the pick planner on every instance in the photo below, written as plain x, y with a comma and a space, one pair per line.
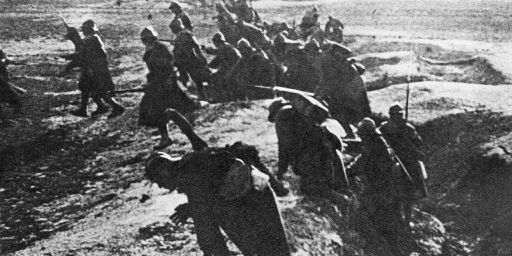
62, 17
171, 41
407, 91
305, 102
402, 168
140, 89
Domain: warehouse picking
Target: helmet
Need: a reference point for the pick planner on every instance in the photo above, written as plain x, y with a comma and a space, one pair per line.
367, 126
218, 37
176, 25
89, 26
148, 32
161, 161
175, 6
396, 109
312, 46
243, 44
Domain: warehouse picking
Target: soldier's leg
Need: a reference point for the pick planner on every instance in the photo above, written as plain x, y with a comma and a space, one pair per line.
117, 109
165, 139
186, 128
101, 107
209, 237
255, 224
82, 109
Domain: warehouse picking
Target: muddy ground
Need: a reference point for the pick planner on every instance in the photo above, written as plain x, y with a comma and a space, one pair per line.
74, 186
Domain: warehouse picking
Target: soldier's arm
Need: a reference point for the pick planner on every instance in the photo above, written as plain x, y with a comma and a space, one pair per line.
413, 135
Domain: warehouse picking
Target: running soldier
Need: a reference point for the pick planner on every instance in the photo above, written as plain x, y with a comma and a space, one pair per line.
94, 65
189, 58
224, 192
180, 14
163, 100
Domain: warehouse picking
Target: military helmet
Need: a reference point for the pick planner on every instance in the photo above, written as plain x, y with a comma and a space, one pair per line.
396, 109
243, 44
148, 32
176, 25
218, 37
161, 161
366, 126
312, 46
89, 26
175, 6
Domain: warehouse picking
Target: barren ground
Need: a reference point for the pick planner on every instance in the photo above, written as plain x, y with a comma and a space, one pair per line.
72, 186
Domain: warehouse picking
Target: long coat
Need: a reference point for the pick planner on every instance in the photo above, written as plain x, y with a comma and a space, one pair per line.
93, 60
162, 91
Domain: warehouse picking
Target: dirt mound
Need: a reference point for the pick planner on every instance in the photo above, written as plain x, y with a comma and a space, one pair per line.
482, 71
467, 143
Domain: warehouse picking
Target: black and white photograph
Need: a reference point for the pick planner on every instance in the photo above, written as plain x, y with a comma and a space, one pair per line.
256, 127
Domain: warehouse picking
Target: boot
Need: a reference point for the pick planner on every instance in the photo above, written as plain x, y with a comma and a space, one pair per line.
118, 110
164, 143
100, 110
80, 112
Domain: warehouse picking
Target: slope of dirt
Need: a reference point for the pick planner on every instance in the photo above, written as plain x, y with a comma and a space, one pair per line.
468, 132
73, 186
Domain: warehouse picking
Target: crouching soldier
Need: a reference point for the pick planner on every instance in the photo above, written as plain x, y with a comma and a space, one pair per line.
93, 62
310, 141
189, 58
163, 100
9, 93
223, 192
226, 55
254, 68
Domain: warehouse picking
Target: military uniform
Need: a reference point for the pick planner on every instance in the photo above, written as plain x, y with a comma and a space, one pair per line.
179, 14
189, 58
254, 35
309, 23
93, 62
221, 195
307, 142
162, 91
334, 29
225, 58
254, 68
406, 142
163, 100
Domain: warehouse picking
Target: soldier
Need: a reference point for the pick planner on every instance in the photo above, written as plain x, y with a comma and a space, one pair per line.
226, 56
334, 29
179, 14
404, 139
189, 58
223, 192
309, 23
93, 62
384, 197
84, 80
8, 92
244, 12
254, 35
310, 141
254, 68
163, 100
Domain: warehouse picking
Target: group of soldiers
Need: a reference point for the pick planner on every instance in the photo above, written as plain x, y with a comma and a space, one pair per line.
229, 188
